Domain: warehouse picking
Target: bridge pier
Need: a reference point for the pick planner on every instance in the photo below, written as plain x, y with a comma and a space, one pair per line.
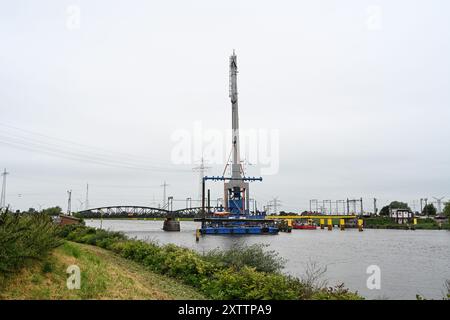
170, 224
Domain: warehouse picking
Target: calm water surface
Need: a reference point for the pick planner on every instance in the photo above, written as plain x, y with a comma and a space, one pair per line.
411, 262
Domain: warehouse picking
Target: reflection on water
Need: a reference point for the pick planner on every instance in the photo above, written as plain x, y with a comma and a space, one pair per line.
411, 262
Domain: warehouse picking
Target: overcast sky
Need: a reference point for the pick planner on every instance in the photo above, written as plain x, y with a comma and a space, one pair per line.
97, 92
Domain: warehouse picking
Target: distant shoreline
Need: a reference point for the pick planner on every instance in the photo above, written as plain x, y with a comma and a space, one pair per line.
372, 226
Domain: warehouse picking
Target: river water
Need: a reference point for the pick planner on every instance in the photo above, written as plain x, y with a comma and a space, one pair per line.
410, 262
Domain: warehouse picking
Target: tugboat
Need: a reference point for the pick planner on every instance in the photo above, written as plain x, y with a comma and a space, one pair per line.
235, 218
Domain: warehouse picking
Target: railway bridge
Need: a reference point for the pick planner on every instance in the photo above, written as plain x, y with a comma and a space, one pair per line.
130, 211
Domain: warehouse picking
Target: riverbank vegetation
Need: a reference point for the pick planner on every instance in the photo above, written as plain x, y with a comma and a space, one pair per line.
34, 258
35, 254
428, 210
238, 273
390, 223
446, 210
24, 239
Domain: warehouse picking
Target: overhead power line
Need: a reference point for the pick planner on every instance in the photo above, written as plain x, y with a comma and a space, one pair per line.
34, 145
94, 149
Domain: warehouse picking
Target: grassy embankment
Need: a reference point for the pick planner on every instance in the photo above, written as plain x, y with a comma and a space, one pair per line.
34, 259
104, 275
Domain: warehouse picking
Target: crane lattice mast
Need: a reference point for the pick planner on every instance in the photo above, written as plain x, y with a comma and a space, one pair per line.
236, 191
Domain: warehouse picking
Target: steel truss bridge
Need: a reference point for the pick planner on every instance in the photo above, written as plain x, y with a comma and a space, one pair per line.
141, 212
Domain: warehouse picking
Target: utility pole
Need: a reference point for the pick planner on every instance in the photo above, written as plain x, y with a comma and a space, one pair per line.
414, 205
315, 201
426, 206
337, 206
324, 202
275, 204
375, 210
69, 202
202, 170
154, 203
3, 196
86, 203
439, 204
164, 185
80, 207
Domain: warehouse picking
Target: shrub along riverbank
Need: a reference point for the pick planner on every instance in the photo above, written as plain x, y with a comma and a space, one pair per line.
24, 239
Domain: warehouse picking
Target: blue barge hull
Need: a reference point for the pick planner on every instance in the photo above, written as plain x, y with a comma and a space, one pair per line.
239, 230
237, 225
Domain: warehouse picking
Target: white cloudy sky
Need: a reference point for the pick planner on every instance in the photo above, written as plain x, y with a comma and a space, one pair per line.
358, 91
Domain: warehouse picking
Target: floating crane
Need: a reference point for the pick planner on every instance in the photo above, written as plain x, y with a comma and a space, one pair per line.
235, 218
